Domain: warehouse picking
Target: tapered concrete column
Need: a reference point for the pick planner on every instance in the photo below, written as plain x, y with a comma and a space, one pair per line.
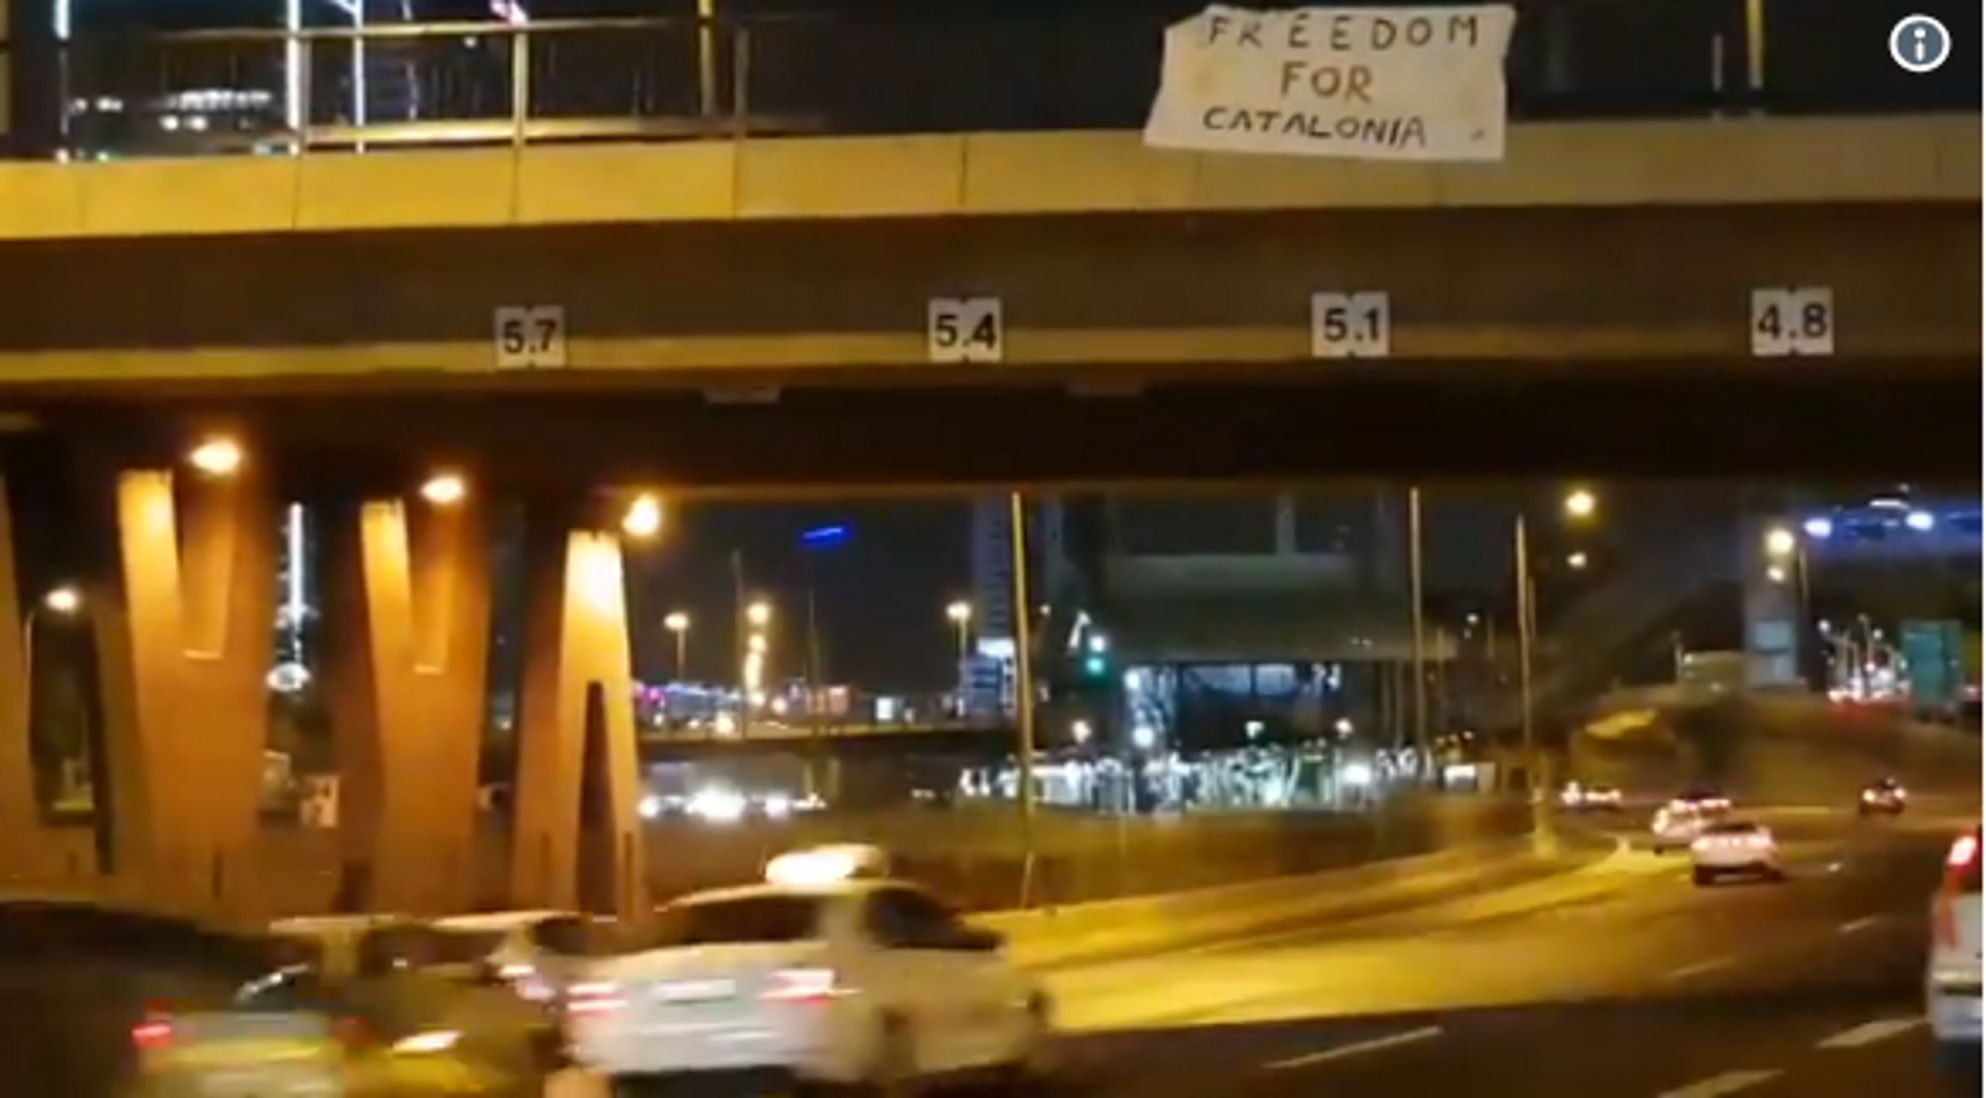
576, 840
20, 823
184, 626
407, 622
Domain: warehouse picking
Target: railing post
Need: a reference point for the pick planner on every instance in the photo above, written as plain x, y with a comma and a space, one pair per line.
304, 58
520, 84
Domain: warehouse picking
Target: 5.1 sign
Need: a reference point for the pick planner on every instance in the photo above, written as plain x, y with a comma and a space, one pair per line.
530, 337
1351, 325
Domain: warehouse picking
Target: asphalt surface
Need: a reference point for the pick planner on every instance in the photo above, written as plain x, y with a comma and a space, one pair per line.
1624, 979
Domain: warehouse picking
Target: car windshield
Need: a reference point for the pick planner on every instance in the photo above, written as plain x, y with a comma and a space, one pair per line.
750, 920
1736, 827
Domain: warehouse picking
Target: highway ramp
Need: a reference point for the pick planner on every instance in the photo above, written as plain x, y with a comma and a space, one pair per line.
1650, 988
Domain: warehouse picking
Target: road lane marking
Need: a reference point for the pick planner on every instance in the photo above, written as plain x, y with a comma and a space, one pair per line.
1356, 1048
1868, 1033
1856, 926
1701, 967
1731, 1082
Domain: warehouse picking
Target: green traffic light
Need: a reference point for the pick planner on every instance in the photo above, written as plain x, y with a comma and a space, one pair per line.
1094, 667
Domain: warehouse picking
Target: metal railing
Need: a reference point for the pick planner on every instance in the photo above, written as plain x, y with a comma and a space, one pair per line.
218, 92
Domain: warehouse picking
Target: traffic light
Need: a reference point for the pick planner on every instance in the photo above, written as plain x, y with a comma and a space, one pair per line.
1095, 667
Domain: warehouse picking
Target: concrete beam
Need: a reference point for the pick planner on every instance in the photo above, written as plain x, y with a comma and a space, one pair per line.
1602, 291
574, 839
183, 620
408, 620
1600, 164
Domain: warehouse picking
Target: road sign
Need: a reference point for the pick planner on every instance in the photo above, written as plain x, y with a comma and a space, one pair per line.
1795, 321
965, 329
1355, 325
530, 337
1919, 44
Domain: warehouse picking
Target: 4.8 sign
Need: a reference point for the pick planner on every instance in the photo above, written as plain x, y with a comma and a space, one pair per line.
1797, 321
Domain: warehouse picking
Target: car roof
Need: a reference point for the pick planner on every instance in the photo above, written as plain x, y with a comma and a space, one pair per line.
503, 920
855, 886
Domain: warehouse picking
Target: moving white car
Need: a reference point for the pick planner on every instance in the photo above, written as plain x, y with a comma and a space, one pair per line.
1952, 982
822, 974
1735, 848
1676, 825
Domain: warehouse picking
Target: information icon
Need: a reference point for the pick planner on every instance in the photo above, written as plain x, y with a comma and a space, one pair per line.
1919, 44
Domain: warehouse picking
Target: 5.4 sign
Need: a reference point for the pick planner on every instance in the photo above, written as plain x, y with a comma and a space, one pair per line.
1356, 325
530, 337
964, 329
1796, 321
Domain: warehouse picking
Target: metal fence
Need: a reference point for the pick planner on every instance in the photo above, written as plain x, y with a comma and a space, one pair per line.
217, 92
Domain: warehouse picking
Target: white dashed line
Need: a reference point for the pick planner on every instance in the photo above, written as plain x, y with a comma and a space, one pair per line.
1868, 1033
1731, 1082
1701, 967
1856, 926
1356, 1048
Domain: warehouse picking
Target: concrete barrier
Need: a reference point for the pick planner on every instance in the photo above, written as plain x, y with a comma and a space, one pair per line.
1090, 932
971, 854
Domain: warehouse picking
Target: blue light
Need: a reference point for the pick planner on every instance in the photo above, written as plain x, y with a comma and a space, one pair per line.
825, 535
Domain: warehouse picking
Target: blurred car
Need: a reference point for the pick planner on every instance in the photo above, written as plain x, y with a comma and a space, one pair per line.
1590, 798
1735, 848
538, 953
1882, 798
826, 973
1952, 980
101, 1000
1709, 801
418, 999
1676, 825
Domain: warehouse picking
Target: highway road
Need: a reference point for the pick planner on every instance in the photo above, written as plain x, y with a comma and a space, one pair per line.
1623, 979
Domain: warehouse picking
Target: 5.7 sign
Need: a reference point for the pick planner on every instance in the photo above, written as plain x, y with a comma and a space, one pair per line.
530, 337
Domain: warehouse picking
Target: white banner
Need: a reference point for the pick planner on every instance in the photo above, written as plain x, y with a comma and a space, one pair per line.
1405, 83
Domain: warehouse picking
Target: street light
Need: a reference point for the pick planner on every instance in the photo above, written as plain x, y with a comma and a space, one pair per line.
445, 490
1581, 504
759, 614
678, 623
64, 601
643, 518
959, 613
1575, 560
217, 457
1780, 542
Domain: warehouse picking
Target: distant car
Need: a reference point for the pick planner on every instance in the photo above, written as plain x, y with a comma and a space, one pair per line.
1676, 825
1883, 798
1952, 980
1735, 848
1590, 798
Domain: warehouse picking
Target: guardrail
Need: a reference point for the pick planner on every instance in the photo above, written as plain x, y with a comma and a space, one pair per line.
216, 92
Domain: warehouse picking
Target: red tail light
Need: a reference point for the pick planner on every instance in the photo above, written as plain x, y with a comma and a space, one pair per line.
154, 1033
1961, 866
802, 985
592, 998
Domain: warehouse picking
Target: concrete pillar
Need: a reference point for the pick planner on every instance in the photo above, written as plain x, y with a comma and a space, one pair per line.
183, 623
20, 822
407, 620
575, 840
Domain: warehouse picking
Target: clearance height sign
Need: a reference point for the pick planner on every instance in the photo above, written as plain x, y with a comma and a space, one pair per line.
1420, 84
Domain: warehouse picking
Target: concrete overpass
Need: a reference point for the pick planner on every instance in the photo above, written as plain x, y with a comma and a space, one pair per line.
334, 318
